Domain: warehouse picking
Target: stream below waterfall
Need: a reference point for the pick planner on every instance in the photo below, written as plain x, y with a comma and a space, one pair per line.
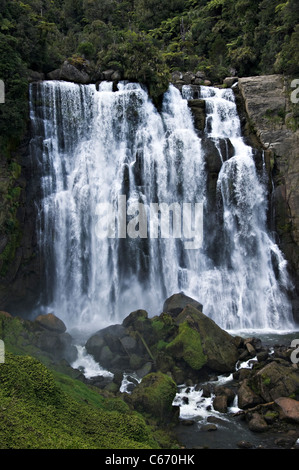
228, 430
200, 426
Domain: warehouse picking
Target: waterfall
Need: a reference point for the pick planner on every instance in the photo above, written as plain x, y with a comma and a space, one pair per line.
126, 218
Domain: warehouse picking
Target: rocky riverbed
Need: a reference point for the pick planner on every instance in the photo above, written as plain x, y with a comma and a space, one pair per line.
182, 371
225, 383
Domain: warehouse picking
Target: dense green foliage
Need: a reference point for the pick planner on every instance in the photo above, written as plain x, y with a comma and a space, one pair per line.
143, 39
37, 412
147, 38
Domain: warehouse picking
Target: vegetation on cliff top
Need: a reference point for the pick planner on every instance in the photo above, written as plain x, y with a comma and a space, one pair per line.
144, 39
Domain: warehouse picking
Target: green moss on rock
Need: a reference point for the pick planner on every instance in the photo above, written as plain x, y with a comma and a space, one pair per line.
187, 345
155, 395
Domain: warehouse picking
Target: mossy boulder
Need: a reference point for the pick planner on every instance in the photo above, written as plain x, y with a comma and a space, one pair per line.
154, 396
187, 345
181, 341
214, 347
45, 339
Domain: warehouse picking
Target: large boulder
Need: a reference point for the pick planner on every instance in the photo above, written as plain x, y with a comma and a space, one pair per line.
275, 380
118, 347
181, 341
288, 409
69, 73
177, 302
51, 336
247, 398
57, 345
154, 396
257, 423
46, 336
51, 322
218, 346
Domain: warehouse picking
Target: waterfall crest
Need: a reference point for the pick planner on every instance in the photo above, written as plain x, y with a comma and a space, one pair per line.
107, 161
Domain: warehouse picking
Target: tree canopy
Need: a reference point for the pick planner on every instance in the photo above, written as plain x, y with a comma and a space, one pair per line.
147, 39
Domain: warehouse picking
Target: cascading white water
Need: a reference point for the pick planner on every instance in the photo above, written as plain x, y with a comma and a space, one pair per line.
114, 150
252, 292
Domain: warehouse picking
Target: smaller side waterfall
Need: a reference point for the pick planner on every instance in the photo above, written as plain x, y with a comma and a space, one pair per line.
250, 268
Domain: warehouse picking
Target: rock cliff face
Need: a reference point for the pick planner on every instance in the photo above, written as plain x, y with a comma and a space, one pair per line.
272, 116
19, 261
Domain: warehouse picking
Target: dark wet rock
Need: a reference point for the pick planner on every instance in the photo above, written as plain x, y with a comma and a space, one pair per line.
177, 302
245, 445
198, 110
262, 356
187, 422
247, 398
220, 403
275, 380
226, 392
257, 423
209, 427
51, 322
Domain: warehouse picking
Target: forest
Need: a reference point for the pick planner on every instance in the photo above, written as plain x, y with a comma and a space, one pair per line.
145, 40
